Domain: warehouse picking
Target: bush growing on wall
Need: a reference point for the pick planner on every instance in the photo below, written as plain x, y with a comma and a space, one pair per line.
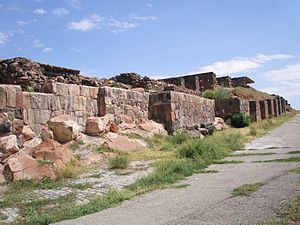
219, 93
239, 120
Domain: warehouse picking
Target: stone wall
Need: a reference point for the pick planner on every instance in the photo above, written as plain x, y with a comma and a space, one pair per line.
241, 81
275, 102
200, 82
225, 81
280, 111
11, 109
178, 110
264, 111
119, 101
77, 101
226, 107
255, 111
271, 110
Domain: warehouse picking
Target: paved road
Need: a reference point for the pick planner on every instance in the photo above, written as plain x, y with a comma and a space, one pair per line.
207, 200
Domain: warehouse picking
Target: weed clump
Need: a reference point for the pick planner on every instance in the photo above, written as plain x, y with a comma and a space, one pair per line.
219, 93
239, 120
118, 162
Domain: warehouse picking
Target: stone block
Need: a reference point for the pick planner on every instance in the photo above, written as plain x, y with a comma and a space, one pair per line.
2, 100
84, 91
49, 87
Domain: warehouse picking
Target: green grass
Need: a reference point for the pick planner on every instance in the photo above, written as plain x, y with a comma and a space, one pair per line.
206, 171
291, 159
252, 154
81, 186
228, 162
76, 144
295, 170
294, 152
219, 93
179, 186
118, 162
174, 158
290, 216
246, 189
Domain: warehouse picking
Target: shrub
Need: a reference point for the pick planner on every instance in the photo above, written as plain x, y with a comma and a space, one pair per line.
239, 120
219, 93
119, 162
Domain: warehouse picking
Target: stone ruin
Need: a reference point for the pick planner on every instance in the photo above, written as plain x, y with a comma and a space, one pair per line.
36, 98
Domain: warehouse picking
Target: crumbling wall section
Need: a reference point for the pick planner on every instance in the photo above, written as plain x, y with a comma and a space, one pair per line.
179, 110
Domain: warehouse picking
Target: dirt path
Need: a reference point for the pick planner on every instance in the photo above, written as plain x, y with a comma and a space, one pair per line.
208, 200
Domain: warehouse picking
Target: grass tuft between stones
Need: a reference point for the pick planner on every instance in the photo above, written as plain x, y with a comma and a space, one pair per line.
246, 189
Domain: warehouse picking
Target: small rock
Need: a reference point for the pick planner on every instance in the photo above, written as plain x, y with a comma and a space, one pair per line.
97, 125
123, 143
114, 128
32, 143
52, 151
23, 166
153, 127
8, 142
64, 128
46, 134
28, 133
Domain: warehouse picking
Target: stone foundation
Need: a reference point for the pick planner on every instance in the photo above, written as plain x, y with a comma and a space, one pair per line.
178, 110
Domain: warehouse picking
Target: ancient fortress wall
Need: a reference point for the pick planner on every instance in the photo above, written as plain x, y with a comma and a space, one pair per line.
178, 110
173, 109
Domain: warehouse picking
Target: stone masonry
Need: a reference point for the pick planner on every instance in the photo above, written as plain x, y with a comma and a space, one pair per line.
263, 104
119, 101
226, 107
201, 82
271, 110
225, 81
178, 110
255, 111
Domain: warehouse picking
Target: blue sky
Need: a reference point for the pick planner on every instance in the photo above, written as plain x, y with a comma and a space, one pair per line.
161, 38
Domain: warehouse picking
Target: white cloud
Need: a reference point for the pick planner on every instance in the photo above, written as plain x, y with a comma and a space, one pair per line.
289, 73
117, 26
40, 11
285, 81
39, 44
23, 22
241, 64
149, 5
47, 49
4, 37
60, 11
86, 24
76, 50
143, 17
74, 4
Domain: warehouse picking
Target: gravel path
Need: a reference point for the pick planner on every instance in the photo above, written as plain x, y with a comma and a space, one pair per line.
207, 200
